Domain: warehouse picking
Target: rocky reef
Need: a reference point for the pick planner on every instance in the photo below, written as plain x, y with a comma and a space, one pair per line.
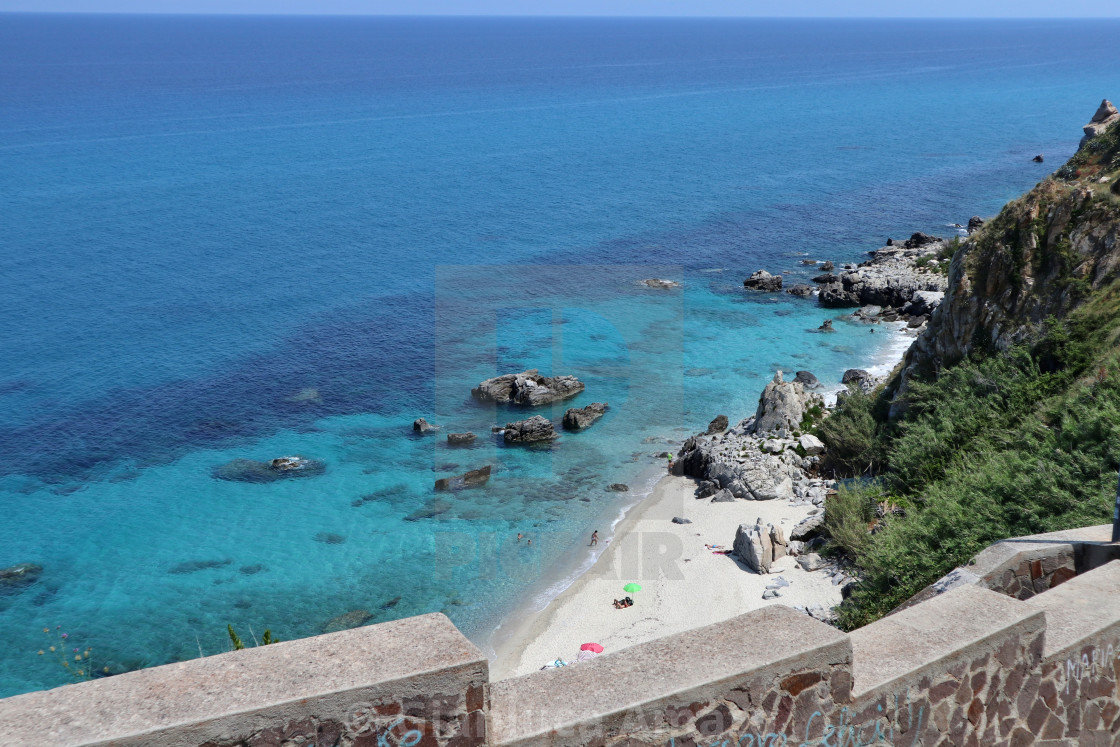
763, 281
281, 468
527, 388
18, 577
469, 479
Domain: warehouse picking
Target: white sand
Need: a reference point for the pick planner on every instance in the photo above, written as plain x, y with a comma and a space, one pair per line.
684, 585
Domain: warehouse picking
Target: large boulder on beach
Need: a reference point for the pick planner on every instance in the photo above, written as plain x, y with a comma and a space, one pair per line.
281, 468
860, 379
530, 430
758, 545
15, 578
527, 388
579, 418
782, 405
763, 281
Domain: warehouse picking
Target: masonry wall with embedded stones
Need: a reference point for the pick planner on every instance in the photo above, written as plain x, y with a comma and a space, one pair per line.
969, 665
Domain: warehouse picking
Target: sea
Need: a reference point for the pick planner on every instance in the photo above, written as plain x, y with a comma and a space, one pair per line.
251, 237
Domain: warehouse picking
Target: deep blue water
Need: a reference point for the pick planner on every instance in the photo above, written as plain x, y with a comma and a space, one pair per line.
203, 219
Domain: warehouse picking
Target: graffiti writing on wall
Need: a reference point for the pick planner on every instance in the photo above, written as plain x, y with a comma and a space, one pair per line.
1092, 663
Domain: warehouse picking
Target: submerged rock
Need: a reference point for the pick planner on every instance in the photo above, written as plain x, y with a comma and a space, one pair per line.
465, 480
193, 566
330, 538
431, 509
248, 470
458, 439
826, 326
579, 418
530, 430
661, 284
527, 388
18, 577
763, 281
352, 619
618, 487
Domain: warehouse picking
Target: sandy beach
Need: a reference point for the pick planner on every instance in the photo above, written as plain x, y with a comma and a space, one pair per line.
684, 584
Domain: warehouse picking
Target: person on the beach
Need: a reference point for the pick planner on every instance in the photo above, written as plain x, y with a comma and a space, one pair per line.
595, 538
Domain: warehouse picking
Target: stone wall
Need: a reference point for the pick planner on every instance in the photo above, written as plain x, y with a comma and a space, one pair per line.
969, 666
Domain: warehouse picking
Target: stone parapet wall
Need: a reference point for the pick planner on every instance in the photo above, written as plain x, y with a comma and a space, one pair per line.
969, 666
410, 682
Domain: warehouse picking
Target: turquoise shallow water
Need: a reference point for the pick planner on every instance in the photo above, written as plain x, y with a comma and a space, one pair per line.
206, 218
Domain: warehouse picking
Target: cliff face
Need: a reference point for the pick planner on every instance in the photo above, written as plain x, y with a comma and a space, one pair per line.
1043, 255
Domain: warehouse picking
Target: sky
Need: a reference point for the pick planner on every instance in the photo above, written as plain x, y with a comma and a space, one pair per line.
786, 8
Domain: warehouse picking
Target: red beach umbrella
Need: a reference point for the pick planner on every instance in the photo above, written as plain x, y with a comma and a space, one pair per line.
595, 647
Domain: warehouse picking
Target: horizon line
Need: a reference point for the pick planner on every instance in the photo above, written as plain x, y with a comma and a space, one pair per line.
544, 16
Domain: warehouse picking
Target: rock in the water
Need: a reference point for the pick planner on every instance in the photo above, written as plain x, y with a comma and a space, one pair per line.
763, 281
807, 379
826, 278
457, 439
718, 425
1038, 158
247, 470
527, 388
826, 326
17, 577
723, 496
782, 405
828, 266
869, 312
352, 619
811, 444
430, 510
465, 480
801, 290
578, 418
423, 426
193, 566
330, 538
974, 223
618, 487
661, 284
680, 520
530, 430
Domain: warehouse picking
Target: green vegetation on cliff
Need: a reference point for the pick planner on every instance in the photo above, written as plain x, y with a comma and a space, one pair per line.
1005, 418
